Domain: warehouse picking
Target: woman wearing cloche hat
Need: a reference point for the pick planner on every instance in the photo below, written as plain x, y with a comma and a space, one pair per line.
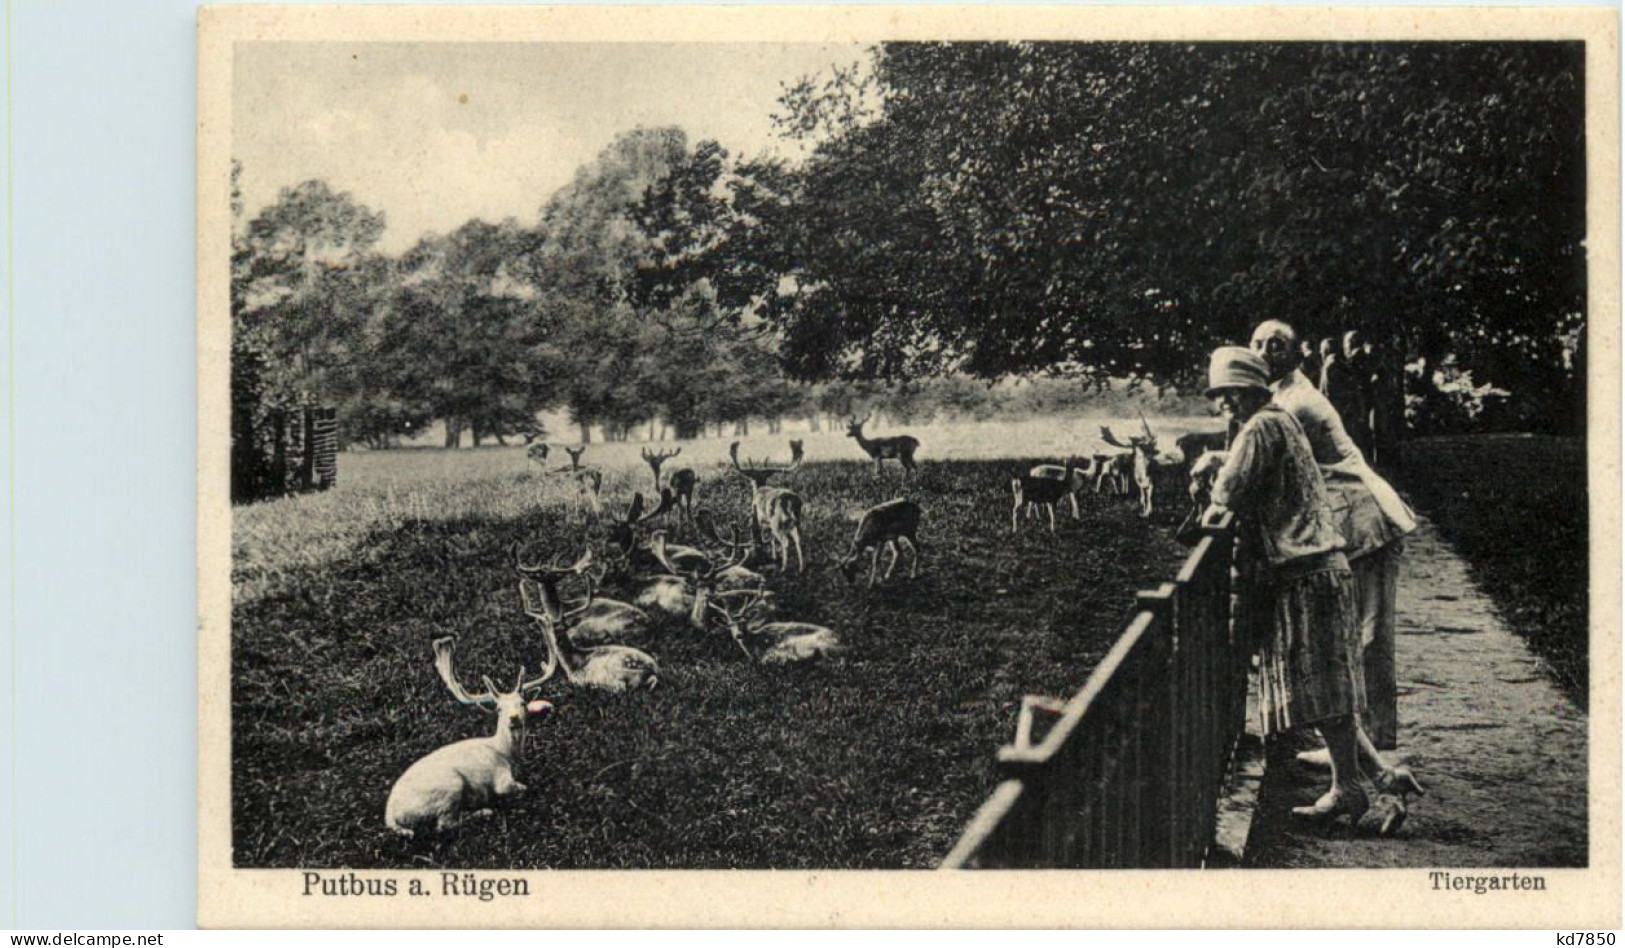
1310, 671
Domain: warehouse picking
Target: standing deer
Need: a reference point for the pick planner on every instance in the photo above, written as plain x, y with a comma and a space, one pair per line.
1150, 470
901, 447
1034, 492
776, 510
611, 668
1074, 476
1114, 471
595, 621
458, 782
888, 524
773, 643
682, 482
589, 482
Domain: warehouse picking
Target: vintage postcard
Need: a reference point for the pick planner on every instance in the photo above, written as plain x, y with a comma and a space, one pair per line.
933, 466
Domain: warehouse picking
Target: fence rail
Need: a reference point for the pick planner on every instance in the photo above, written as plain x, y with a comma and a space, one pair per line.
1129, 773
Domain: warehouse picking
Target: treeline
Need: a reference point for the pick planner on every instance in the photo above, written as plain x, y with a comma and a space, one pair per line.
967, 213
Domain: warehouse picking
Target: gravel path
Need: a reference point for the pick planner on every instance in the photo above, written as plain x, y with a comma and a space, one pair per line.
1501, 752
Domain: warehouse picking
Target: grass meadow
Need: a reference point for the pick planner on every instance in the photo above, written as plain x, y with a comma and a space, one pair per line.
873, 760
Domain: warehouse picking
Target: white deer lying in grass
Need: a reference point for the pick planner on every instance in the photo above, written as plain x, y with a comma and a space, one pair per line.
458, 782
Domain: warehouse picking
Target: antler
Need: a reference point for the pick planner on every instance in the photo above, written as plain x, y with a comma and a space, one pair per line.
1147, 426
668, 500
657, 549
1107, 436
655, 459
442, 664
755, 470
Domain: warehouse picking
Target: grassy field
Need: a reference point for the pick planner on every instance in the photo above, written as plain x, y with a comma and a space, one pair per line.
1516, 507
875, 760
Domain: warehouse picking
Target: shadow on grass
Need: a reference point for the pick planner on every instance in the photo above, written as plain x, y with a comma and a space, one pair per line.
872, 761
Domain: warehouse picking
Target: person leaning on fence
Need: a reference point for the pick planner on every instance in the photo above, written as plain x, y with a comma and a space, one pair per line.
1371, 517
1309, 658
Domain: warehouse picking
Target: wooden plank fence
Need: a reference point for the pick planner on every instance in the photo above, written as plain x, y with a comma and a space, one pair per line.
1129, 774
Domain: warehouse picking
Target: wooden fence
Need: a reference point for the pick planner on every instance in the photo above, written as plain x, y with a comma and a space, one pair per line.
1129, 774
286, 452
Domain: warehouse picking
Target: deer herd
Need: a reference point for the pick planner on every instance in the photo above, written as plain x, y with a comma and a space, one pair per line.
720, 586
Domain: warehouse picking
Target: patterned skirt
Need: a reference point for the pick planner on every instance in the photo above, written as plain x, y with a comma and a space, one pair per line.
1309, 665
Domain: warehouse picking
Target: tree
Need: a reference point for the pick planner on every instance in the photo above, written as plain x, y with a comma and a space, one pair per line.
1116, 209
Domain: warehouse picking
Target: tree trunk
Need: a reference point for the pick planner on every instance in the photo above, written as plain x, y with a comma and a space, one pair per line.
586, 431
454, 431
812, 422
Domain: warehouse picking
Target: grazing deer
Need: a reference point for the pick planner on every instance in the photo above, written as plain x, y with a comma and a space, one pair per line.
901, 447
1075, 478
1149, 468
773, 643
594, 621
459, 781
1034, 492
888, 524
776, 510
682, 482
611, 668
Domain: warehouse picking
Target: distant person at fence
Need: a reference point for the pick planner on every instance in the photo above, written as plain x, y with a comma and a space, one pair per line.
1309, 671
1309, 362
1372, 519
1360, 396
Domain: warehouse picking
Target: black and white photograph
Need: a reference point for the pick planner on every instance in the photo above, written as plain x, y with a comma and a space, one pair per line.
858, 446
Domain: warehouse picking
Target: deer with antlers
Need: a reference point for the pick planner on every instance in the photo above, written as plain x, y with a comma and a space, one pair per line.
775, 510
589, 481
901, 447
611, 668
459, 781
1150, 469
682, 482
884, 525
771, 643
593, 621
687, 592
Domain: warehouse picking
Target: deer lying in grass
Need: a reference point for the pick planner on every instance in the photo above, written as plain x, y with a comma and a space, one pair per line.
772, 643
901, 447
1150, 470
775, 510
595, 621
1035, 492
611, 668
1073, 476
459, 781
688, 593
884, 525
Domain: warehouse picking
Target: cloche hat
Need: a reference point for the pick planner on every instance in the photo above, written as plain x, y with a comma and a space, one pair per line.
1236, 367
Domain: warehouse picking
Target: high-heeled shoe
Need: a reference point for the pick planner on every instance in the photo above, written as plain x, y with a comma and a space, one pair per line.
1388, 814
1400, 781
1333, 804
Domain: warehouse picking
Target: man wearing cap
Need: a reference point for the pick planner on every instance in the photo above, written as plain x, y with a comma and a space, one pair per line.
1371, 517
1309, 671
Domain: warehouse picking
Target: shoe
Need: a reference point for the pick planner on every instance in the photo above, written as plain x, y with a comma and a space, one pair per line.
1389, 814
1399, 780
1332, 804
1321, 757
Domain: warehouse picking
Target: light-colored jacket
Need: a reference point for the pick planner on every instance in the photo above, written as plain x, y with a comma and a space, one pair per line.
1370, 512
1271, 479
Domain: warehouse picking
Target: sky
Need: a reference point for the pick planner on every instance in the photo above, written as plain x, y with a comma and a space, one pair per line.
434, 134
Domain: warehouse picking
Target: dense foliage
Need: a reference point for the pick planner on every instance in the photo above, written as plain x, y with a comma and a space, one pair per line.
969, 211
